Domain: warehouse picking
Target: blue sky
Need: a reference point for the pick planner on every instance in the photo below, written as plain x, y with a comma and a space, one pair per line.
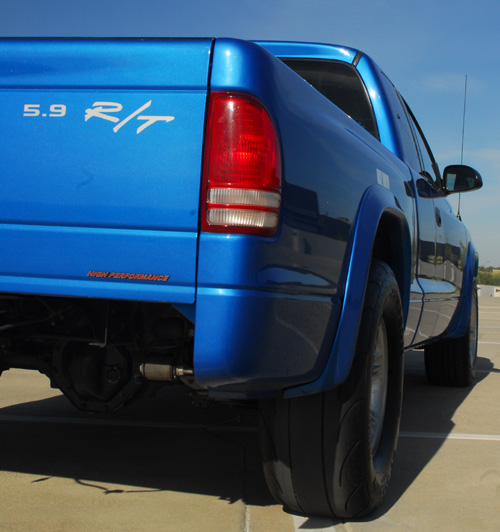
426, 48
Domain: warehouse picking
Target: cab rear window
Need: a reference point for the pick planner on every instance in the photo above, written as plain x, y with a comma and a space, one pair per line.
341, 84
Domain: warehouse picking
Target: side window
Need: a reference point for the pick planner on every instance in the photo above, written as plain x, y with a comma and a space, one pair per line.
341, 84
429, 167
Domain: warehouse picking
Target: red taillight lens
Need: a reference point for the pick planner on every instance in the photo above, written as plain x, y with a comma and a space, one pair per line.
242, 167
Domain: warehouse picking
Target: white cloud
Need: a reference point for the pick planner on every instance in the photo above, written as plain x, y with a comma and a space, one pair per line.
490, 156
452, 82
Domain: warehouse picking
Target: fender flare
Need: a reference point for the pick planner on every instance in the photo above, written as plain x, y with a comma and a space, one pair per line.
375, 204
458, 326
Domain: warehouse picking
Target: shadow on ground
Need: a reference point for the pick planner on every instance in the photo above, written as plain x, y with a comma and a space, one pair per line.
167, 445
155, 445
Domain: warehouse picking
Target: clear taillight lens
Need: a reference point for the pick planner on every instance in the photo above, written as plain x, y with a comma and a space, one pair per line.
242, 167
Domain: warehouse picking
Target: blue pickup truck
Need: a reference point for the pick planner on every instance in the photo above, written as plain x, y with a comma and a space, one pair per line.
254, 221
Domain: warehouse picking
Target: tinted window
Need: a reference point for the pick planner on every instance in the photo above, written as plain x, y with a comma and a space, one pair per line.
429, 166
341, 84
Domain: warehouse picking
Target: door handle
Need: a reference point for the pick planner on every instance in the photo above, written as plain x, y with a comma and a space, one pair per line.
438, 217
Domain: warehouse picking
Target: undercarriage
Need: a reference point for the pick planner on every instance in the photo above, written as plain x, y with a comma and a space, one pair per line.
102, 354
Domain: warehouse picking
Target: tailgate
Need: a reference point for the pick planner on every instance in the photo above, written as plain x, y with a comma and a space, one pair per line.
100, 161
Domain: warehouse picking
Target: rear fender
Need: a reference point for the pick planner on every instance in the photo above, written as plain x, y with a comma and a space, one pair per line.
376, 203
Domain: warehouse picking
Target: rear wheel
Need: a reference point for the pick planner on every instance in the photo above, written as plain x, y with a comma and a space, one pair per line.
331, 453
453, 362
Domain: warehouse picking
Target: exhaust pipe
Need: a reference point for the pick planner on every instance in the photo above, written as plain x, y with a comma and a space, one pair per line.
163, 369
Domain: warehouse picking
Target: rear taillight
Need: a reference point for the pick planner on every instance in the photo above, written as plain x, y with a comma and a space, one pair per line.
242, 167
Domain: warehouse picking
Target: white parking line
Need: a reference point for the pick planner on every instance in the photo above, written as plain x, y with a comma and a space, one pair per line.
315, 523
450, 436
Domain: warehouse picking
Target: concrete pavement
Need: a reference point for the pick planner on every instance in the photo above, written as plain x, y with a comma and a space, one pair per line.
163, 466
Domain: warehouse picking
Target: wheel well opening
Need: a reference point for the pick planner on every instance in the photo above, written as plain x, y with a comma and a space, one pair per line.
392, 245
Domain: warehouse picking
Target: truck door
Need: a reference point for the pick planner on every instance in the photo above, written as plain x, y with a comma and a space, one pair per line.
439, 270
424, 293
429, 220
451, 248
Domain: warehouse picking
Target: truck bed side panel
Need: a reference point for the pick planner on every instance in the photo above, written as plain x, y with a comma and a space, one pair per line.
280, 299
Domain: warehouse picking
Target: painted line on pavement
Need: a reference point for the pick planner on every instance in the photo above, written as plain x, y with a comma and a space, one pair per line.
318, 524
451, 436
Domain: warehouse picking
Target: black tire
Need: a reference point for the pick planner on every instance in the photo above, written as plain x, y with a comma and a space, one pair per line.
321, 455
453, 362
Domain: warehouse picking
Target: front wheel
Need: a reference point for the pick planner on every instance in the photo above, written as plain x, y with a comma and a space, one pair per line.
453, 362
331, 454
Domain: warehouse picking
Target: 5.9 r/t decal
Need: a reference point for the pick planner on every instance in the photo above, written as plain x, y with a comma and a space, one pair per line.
105, 111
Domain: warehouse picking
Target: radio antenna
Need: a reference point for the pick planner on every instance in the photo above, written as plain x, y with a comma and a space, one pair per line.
463, 122
459, 216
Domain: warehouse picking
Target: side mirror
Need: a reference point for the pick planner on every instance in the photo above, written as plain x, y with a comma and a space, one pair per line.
460, 178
